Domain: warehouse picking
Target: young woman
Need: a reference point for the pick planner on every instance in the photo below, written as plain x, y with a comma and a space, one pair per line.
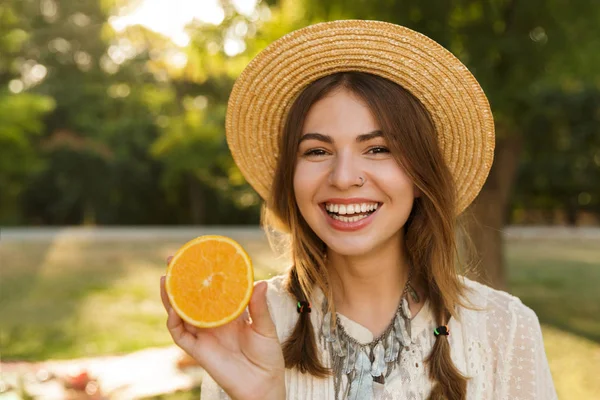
367, 141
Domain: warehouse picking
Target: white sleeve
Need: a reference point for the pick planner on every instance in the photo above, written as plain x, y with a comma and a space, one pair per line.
525, 363
210, 390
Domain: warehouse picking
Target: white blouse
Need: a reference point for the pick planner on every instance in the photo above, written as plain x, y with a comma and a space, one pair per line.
501, 349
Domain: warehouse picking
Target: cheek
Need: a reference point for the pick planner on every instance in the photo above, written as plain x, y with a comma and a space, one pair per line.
303, 184
304, 193
307, 177
394, 180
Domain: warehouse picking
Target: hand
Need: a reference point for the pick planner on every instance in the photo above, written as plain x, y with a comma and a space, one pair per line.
244, 358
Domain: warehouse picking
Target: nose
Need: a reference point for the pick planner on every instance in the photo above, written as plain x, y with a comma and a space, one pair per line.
345, 171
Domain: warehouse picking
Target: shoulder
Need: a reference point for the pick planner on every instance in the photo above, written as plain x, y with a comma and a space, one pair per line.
282, 306
513, 344
494, 300
503, 315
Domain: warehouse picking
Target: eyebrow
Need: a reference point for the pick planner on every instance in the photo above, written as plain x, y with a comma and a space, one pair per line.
328, 139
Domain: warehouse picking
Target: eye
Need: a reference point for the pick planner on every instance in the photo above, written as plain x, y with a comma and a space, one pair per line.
315, 152
378, 149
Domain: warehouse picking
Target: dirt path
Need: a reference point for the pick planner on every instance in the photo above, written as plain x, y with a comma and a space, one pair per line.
246, 232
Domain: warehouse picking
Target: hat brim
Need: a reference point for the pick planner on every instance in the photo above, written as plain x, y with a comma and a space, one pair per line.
266, 89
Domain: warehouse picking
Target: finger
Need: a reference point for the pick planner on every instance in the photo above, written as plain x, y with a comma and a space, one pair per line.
245, 315
180, 335
259, 311
191, 328
169, 260
174, 321
241, 320
163, 294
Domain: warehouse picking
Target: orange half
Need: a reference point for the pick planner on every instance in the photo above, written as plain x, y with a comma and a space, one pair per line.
210, 281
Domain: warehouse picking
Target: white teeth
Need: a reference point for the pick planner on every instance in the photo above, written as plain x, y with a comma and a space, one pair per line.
348, 219
349, 209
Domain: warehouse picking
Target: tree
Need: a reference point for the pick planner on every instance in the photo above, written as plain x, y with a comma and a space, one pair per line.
20, 118
94, 144
560, 168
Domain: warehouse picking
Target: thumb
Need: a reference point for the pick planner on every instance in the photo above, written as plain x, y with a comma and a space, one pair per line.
259, 311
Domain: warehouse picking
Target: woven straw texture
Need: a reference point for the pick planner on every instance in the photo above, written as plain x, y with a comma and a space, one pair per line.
266, 89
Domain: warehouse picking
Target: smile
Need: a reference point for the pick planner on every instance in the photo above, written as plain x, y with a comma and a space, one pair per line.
350, 217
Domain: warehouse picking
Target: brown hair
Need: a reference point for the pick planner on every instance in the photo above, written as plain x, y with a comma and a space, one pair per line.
429, 231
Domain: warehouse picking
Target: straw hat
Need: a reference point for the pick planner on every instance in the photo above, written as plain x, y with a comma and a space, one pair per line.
267, 87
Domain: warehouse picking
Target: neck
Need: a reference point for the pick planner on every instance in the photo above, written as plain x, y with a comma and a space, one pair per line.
367, 288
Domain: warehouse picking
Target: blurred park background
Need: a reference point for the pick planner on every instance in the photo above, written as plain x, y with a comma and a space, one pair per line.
113, 154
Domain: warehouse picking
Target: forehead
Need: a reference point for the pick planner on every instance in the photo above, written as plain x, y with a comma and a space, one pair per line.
340, 114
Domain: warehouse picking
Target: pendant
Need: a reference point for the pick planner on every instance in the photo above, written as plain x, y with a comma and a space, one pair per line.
350, 359
413, 293
362, 384
406, 308
400, 331
337, 347
378, 367
396, 344
389, 347
327, 328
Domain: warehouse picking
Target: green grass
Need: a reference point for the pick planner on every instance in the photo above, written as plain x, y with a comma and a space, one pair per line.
560, 280
67, 299
72, 299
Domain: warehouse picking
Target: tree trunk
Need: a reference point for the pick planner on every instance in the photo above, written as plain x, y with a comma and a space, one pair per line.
489, 212
571, 209
196, 200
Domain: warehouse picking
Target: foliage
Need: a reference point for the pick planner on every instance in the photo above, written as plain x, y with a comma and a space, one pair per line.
561, 166
20, 122
20, 118
100, 126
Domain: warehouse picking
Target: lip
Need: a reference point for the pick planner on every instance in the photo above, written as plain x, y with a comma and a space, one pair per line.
349, 226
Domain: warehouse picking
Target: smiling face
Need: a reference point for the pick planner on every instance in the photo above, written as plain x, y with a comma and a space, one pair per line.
341, 142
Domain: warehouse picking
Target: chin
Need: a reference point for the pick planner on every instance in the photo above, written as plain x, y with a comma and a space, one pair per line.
350, 247
350, 251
